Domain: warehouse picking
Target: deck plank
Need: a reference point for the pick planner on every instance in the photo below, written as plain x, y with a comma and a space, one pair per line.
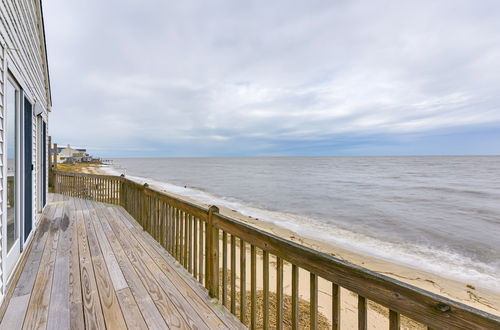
131, 311
14, 316
77, 320
59, 316
92, 310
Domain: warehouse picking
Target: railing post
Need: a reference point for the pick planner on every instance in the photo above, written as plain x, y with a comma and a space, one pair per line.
212, 265
144, 212
49, 158
55, 156
121, 192
54, 181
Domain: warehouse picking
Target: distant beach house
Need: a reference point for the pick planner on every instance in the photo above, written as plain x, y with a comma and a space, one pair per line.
72, 155
25, 103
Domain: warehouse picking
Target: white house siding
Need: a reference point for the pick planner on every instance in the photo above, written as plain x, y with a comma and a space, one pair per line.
2, 65
22, 51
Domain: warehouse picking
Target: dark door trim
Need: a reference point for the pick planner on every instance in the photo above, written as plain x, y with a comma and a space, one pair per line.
28, 167
44, 163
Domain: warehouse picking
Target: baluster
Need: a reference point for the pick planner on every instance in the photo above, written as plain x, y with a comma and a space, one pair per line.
200, 250
335, 307
184, 241
224, 268
213, 233
279, 293
190, 243
313, 303
243, 281
393, 320
195, 247
253, 287
295, 297
170, 232
265, 277
362, 313
233, 274
177, 234
163, 224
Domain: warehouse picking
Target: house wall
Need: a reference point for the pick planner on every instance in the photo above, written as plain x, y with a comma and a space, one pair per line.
22, 53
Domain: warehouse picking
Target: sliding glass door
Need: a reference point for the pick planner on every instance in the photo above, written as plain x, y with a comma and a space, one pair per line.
18, 132
12, 137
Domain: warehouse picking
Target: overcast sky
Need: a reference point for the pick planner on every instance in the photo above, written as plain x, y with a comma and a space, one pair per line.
253, 78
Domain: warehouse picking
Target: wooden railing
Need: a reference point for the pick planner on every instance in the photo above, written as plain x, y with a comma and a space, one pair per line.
215, 249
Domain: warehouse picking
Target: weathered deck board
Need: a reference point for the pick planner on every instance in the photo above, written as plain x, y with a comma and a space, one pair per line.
92, 311
75, 291
90, 266
59, 307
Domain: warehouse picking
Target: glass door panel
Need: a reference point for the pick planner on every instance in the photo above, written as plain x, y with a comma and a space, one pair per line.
12, 106
11, 225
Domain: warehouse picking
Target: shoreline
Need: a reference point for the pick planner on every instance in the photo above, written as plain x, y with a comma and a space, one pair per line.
482, 299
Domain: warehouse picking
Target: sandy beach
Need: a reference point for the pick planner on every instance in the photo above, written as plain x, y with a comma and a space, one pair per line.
479, 298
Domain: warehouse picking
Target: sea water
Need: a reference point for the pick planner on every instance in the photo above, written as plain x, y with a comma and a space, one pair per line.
438, 214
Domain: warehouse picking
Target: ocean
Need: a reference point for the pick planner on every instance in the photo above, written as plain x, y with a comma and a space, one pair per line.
437, 214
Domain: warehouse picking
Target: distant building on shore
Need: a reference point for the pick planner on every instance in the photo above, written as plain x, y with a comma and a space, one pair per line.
72, 155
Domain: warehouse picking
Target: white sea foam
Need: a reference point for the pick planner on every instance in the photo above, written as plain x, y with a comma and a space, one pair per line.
441, 262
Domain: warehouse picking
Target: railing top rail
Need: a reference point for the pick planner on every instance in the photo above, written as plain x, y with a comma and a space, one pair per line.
89, 175
418, 304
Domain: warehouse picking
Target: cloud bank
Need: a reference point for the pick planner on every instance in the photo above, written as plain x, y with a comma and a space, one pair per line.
232, 78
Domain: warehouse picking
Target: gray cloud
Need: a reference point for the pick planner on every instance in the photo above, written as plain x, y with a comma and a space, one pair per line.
255, 77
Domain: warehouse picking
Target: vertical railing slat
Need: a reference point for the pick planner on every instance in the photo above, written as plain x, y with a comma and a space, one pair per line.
195, 247
190, 244
224, 268
186, 239
265, 288
313, 303
362, 313
243, 281
295, 297
393, 320
200, 250
279, 293
233, 274
253, 287
335, 307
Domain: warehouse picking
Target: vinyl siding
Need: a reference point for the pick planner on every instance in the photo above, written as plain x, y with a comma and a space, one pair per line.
22, 53
2, 65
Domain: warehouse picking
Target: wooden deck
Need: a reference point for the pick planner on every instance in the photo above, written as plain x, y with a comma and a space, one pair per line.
92, 266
